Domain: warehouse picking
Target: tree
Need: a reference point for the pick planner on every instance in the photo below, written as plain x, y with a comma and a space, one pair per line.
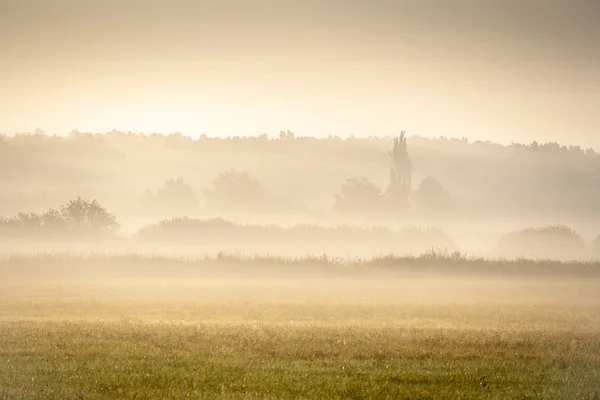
27, 221
554, 242
78, 218
174, 193
400, 174
431, 195
88, 217
53, 221
287, 135
359, 195
237, 191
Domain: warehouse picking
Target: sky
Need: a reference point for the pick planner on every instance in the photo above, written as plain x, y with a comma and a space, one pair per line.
487, 70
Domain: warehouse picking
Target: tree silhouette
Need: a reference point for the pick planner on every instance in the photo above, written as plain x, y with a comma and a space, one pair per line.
78, 218
555, 241
431, 195
88, 217
287, 135
175, 193
359, 195
400, 174
236, 191
52, 220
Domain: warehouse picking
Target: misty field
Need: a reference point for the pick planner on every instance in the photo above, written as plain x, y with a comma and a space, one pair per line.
141, 327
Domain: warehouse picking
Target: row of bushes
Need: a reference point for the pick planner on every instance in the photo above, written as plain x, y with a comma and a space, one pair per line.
81, 218
555, 242
552, 242
220, 232
76, 218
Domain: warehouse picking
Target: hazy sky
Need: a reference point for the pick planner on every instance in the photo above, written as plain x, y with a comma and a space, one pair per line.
499, 70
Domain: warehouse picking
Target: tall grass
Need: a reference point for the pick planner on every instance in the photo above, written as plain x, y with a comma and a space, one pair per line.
432, 262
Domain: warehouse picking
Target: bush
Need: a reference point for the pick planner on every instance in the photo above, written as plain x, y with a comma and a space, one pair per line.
595, 247
361, 196
77, 218
236, 191
228, 235
552, 242
432, 196
175, 194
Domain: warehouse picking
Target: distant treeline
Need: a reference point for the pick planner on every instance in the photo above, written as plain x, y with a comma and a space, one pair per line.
134, 174
40, 141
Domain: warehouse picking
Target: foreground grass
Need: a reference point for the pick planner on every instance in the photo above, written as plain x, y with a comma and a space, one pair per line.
123, 360
158, 328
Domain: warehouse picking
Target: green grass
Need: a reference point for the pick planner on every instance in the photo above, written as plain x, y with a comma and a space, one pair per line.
154, 328
128, 360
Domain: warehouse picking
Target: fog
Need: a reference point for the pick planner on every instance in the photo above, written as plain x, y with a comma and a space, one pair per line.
293, 196
299, 198
504, 299
280, 128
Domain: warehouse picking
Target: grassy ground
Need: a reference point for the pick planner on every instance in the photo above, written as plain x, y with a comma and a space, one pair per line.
123, 360
78, 336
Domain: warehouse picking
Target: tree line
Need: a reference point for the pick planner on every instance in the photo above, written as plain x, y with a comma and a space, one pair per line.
301, 175
77, 139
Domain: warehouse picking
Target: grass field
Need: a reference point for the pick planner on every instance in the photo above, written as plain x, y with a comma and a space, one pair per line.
130, 327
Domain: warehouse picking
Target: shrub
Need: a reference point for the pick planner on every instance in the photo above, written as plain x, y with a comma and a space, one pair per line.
432, 196
307, 238
359, 195
77, 218
595, 246
552, 242
175, 193
236, 191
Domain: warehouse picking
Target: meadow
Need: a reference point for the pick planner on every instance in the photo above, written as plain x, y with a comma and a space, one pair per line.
129, 326
230, 257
